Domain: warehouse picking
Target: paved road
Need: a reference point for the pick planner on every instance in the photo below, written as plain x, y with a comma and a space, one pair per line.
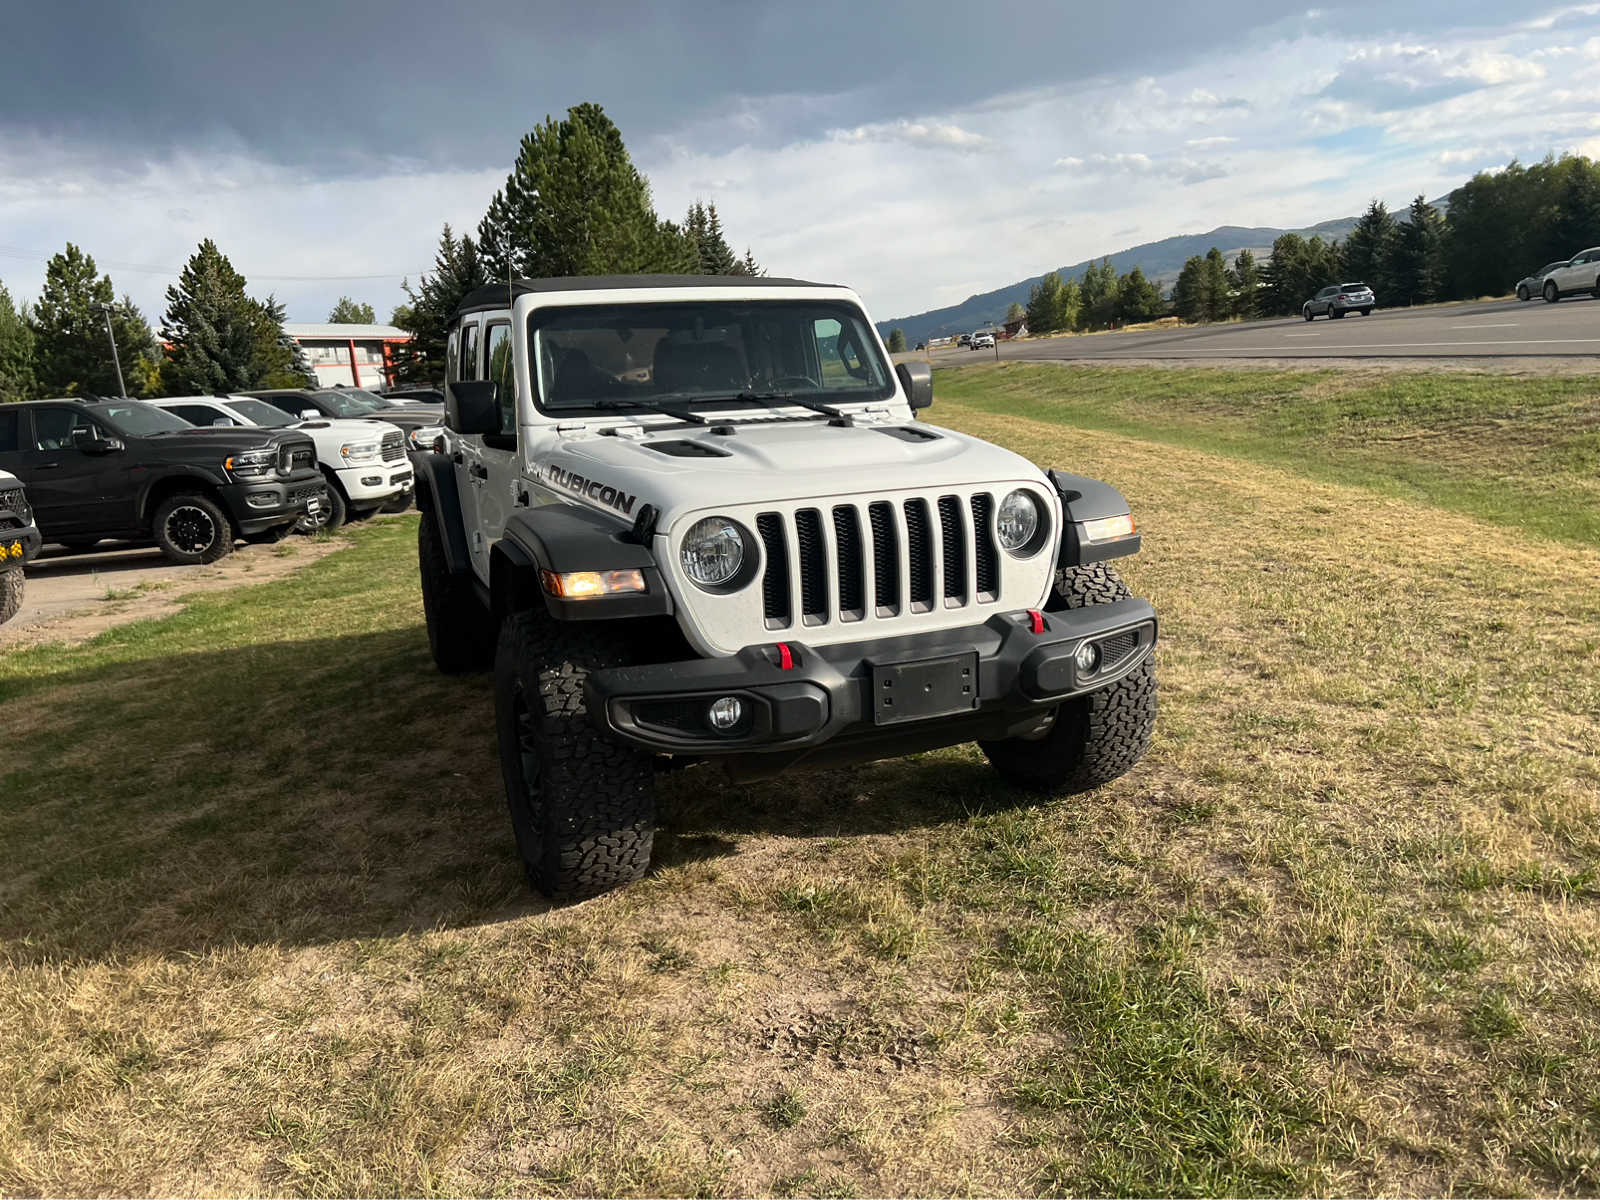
1496, 329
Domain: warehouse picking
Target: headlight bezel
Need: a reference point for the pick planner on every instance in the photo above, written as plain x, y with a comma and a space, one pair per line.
252, 464
361, 452
1038, 537
743, 572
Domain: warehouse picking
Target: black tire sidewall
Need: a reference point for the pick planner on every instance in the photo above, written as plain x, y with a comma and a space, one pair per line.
13, 588
221, 545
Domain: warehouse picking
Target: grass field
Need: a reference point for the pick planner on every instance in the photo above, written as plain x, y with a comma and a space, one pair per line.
263, 930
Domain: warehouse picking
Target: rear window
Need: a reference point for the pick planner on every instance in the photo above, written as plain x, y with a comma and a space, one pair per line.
1351, 287
10, 422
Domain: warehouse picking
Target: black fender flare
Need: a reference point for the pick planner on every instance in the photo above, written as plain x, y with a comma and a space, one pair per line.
1084, 499
160, 480
570, 537
439, 501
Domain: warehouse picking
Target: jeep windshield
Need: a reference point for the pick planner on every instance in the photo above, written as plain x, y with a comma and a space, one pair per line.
132, 418
745, 353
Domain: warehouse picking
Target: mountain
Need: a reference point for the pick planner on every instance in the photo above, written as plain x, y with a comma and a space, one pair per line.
1160, 261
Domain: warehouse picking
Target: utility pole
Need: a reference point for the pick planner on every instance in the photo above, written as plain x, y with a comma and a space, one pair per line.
122, 388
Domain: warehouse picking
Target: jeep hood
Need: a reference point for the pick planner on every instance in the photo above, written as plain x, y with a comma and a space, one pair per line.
683, 468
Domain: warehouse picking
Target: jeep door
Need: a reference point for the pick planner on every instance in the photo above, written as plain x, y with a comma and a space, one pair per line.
497, 452
74, 491
464, 360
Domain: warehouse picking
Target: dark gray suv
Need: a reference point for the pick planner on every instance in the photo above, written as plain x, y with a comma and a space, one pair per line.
1339, 298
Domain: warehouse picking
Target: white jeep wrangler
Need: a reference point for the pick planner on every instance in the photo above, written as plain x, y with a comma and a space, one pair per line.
696, 516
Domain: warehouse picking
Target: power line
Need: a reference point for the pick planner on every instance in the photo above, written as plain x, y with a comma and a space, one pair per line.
173, 272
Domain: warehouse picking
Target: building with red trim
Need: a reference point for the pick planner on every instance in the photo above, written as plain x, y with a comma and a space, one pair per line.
342, 355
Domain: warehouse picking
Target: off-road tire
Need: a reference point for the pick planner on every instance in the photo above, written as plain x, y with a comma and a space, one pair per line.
12, 587
1551, 292
582, 803
338, 514
459, 630
1095, 738
180, 527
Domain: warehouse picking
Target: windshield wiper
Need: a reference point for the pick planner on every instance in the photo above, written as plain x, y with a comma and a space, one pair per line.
777, 399
655, 406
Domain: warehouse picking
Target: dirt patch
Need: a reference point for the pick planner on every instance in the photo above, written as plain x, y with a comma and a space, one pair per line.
74, 597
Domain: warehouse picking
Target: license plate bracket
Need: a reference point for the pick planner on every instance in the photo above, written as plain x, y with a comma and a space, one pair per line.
924, 688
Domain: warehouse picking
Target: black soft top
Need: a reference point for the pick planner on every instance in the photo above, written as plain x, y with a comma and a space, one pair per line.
493, 295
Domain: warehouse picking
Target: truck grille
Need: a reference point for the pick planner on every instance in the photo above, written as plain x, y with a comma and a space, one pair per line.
12, 499
294, 457
912, 562
394, 447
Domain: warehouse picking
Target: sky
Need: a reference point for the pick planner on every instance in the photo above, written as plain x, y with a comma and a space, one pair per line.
919, 152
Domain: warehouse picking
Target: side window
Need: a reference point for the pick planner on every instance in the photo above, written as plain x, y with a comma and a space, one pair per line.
52, 427
840, 356
499, 360
10, 430
469, 351
451, 360
199, 414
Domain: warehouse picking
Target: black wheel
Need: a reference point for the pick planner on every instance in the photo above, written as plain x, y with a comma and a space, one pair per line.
12, 586
334, 513
1551, 292
192, 528
582, 804
1336, 313
1095, 738
459, 633
1522, 292
1366, 312
1307, 314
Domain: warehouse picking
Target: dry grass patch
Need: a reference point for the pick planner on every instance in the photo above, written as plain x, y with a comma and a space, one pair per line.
1340, 933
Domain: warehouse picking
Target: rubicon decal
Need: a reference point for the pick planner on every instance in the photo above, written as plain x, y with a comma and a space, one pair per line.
593, 489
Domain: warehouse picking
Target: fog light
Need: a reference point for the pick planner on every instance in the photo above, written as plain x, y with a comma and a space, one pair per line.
725, 712
1087, 658
263, 499
371, 480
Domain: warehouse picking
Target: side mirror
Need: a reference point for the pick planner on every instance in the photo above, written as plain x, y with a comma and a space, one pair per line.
89, 441
472, 407
309, 414
917, 380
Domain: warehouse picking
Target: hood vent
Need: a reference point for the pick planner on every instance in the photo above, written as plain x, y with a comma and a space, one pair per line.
682, 448
909, 433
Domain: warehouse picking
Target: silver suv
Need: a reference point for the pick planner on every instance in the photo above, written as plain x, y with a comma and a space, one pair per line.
1339, 298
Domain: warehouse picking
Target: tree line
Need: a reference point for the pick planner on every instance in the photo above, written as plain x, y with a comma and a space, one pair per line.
573, 204
1102, 299
1497, 227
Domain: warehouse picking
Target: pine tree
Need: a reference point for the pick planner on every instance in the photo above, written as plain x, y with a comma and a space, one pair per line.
1245, 279
897, 341
1417, 262
348, 312
1188, 293
16, 350
1015, 313
1218, 294
748, 265
574, 204
1369, 249
1137, 298
218, 338
457, 270
71, 353
1052, 305
1098, 295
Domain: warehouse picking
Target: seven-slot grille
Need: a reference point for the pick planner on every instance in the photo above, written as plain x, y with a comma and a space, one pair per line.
896, 557
394, 447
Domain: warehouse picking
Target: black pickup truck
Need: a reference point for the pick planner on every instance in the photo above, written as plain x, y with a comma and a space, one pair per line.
125, 469
19, 542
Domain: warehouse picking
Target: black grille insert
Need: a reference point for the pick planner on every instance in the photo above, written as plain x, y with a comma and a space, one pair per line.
988, 554
813, 566
885, 558
852, 573
919, 550
955, 558
775, 582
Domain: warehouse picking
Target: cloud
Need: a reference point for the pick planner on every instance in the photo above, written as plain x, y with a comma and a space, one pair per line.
1181, 169
1399, 75
1208, 143
937, 135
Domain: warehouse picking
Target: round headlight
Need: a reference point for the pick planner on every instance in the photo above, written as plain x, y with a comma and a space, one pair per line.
1017, 521
712, 552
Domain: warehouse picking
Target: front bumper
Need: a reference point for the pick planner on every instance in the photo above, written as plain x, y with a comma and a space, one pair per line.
257, 505
376, 483
980, 681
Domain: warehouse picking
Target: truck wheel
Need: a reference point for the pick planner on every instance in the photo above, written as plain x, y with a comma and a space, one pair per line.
459, 633
192, 528
12, 585
1551, 292
331, 517
582, 804
1095, 738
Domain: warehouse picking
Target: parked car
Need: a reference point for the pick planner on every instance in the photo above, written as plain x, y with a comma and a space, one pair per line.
382, 404
1530, 286
757, 555
964, 340
414, 395
982, 341
1337, 299
19, 536
127, 469
1580, 274
420, 425
364, 462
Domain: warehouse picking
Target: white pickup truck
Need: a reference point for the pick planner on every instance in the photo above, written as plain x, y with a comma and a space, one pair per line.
364, 461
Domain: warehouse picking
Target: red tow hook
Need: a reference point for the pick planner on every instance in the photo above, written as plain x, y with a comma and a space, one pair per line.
1036, 620
785, 657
